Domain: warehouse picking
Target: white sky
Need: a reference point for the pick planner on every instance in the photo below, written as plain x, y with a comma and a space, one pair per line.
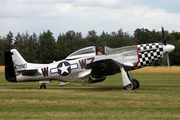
59, 16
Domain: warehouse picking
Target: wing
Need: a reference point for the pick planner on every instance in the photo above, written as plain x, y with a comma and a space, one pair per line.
84, 73
107, 67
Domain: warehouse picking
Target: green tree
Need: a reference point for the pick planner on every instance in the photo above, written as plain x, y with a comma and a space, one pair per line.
23, 45
68, 43
31, 49
9, 38
46, 47
92, 37
4, 45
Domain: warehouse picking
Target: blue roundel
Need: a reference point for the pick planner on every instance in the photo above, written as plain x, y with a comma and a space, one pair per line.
64, 68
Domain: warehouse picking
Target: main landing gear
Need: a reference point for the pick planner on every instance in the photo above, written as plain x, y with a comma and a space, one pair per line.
129, 82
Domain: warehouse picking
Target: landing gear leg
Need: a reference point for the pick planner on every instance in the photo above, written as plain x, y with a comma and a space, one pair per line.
43, 86
129, 83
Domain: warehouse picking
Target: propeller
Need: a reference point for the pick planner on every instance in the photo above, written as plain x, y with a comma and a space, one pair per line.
166, 55
164, 37
166, 60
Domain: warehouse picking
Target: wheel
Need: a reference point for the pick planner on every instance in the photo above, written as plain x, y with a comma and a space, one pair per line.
137, 83
130, 87
43, 87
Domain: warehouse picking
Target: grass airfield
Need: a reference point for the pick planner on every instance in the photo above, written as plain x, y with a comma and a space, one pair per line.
157, 98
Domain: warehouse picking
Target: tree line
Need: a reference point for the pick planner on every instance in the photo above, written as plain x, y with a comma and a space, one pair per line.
45, 48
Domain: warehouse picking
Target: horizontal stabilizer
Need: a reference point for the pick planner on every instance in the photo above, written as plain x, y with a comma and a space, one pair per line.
63, 83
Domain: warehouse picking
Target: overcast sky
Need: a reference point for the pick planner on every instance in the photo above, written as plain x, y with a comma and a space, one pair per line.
60, 16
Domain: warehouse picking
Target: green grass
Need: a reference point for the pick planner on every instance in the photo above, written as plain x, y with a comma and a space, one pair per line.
157, 98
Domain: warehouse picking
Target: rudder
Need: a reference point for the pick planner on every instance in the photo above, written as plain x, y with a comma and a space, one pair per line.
10, 74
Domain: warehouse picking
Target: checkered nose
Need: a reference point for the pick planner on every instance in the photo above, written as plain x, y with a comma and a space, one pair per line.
168, 48
148, 54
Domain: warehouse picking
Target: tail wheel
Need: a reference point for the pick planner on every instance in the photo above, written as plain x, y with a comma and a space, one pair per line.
43, 86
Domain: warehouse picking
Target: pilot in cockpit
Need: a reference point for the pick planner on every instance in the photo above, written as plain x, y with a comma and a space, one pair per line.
99, 51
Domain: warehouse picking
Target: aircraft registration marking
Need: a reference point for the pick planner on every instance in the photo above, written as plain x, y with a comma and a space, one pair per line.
20, 66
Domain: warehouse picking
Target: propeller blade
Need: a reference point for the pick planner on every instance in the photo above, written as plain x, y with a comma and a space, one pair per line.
166, 55
166, 60
164, 37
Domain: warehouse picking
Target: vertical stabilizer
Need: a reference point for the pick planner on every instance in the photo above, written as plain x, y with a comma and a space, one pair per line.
14, 62
18, 61
17, 58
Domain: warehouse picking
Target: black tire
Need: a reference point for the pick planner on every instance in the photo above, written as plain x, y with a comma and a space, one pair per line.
43, 87
136, 82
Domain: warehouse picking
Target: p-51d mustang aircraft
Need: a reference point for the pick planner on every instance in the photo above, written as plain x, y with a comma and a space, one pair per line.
84, 66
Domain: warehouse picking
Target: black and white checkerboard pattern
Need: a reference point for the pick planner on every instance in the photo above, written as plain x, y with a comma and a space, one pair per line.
149, 53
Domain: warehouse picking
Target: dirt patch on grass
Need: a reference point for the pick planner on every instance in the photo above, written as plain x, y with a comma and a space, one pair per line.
1, 69
158, 70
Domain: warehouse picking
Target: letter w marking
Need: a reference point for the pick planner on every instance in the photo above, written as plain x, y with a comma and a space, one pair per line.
45, 71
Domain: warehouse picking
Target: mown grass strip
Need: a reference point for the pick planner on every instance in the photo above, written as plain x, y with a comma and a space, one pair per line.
157, 98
